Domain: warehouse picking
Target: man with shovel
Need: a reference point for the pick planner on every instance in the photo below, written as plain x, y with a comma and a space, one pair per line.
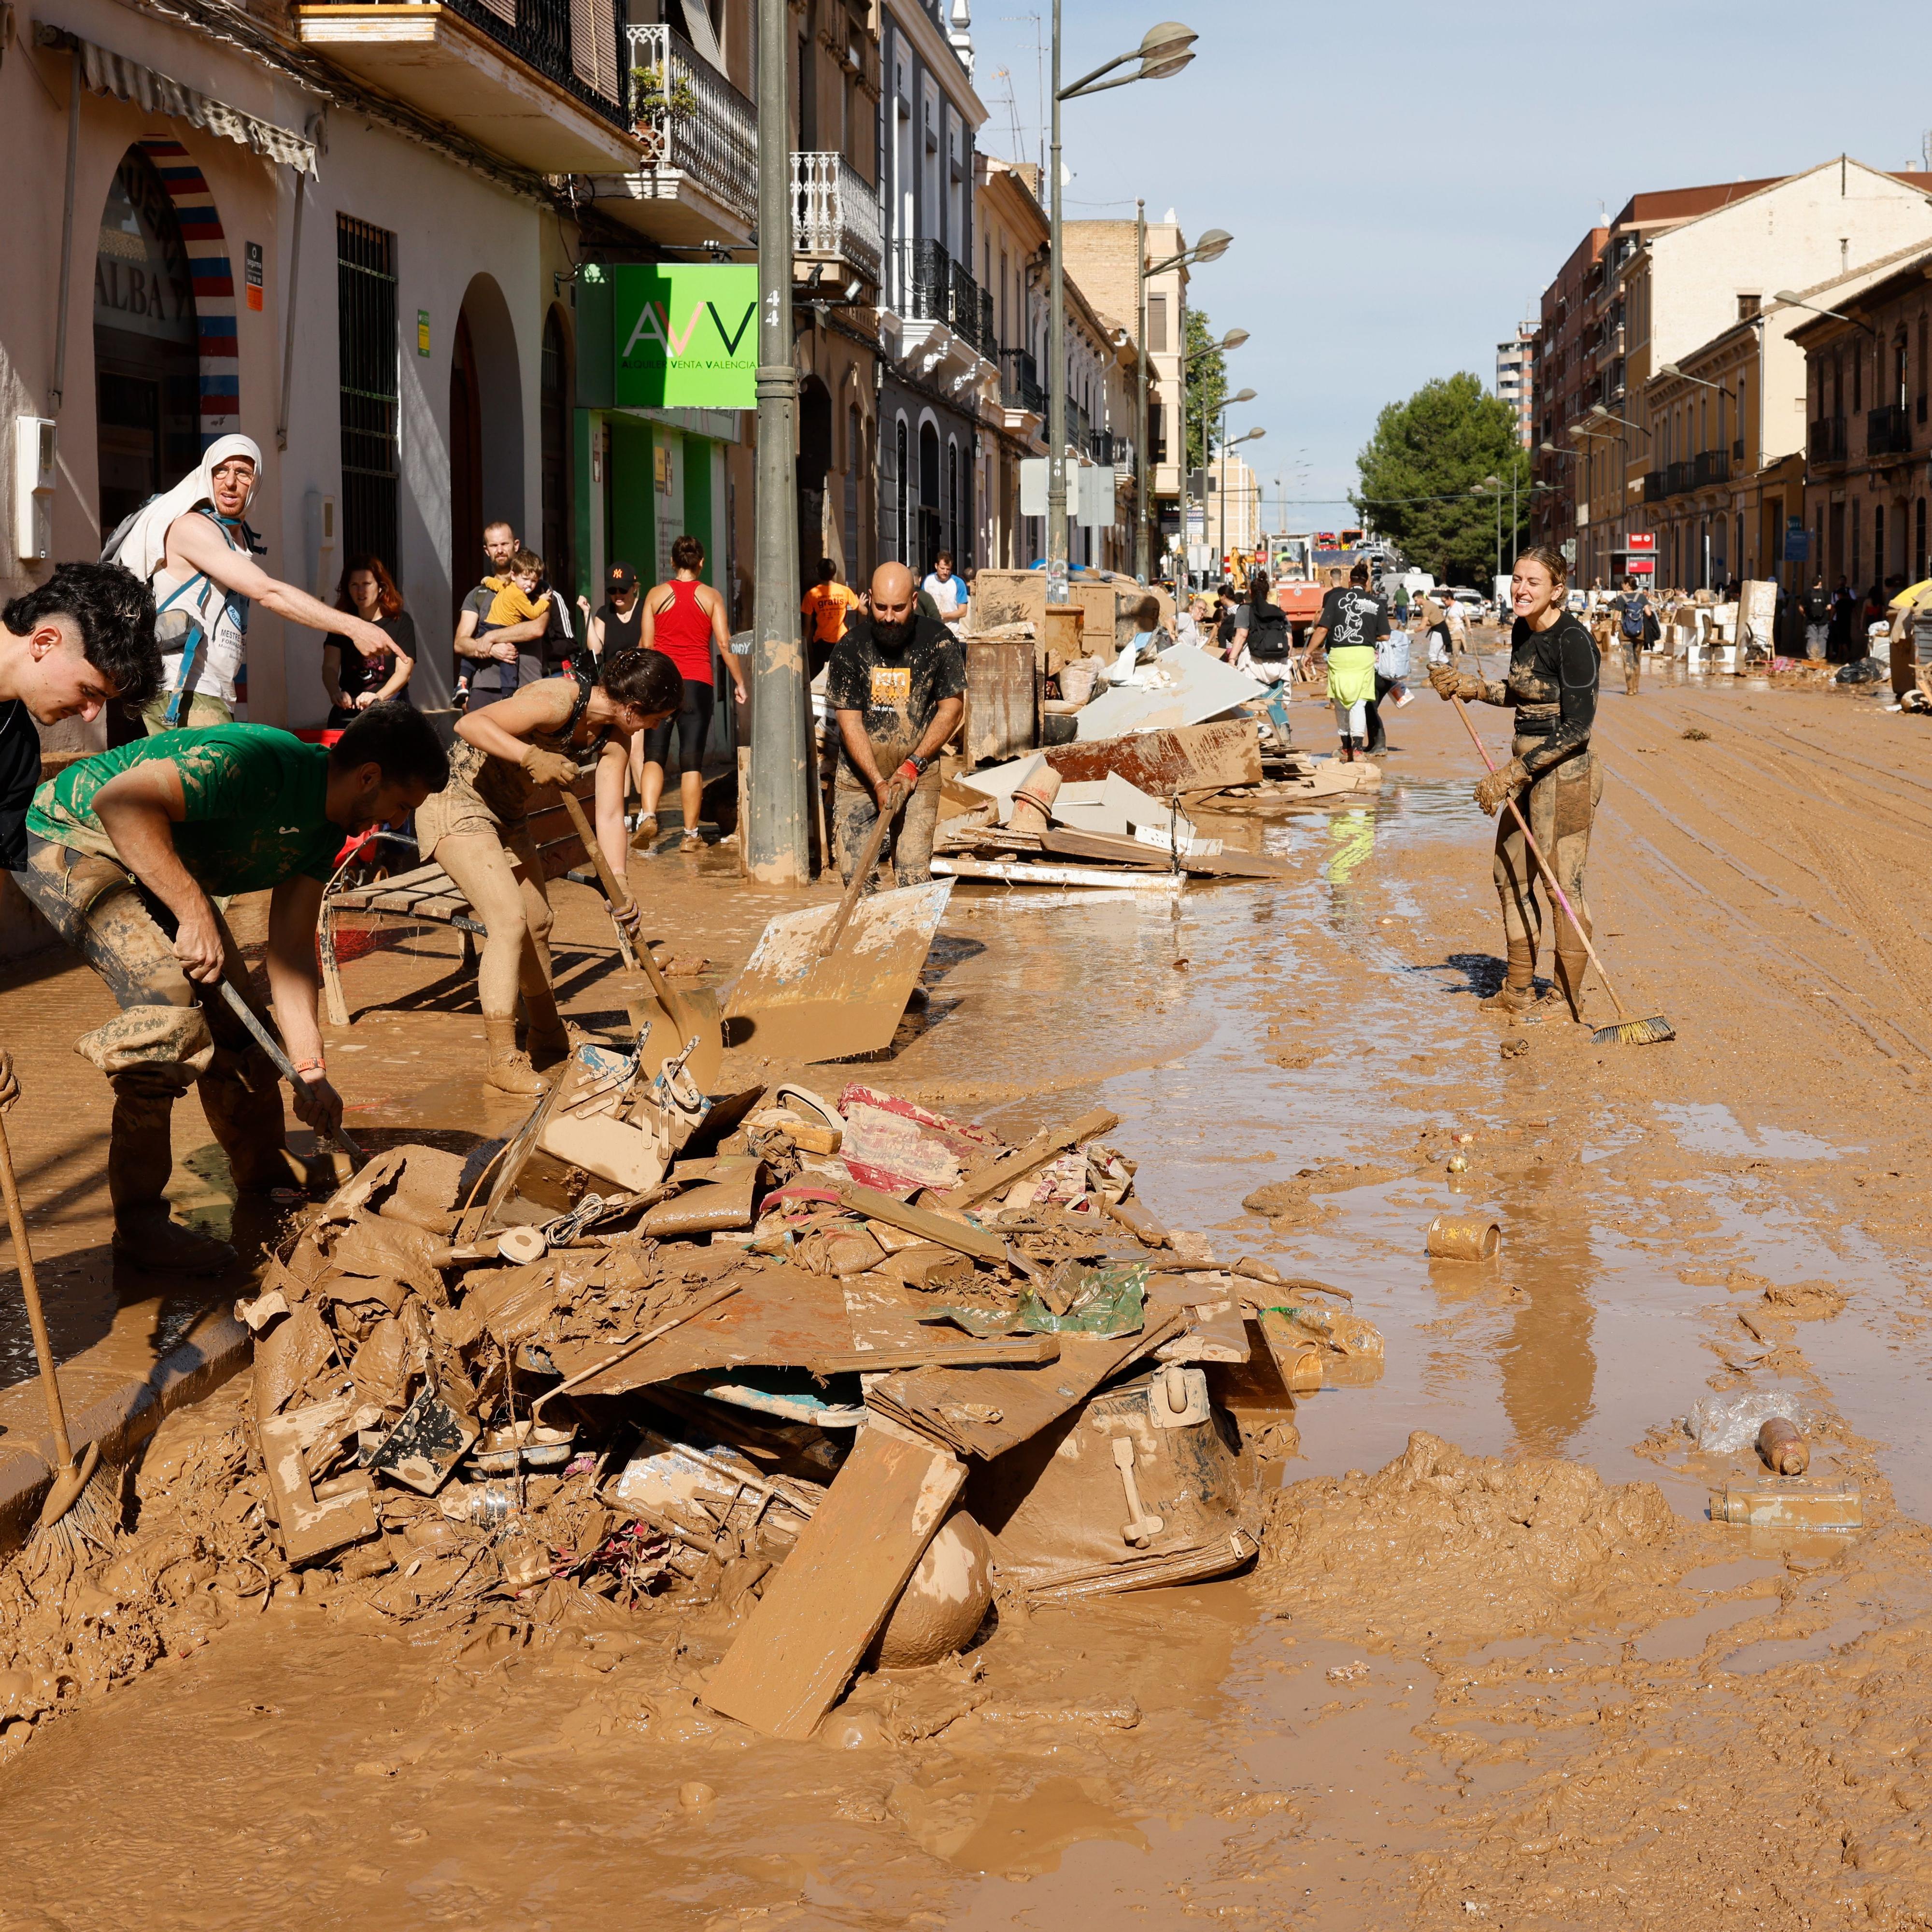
898, 685
123, 851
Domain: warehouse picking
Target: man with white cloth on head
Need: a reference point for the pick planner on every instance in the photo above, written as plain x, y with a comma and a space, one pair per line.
191, 543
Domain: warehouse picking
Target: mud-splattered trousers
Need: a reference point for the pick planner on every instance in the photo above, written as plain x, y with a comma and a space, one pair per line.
909, 843
1552, 684
169, 1036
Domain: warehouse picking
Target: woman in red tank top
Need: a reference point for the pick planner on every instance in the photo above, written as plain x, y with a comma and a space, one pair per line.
683, 618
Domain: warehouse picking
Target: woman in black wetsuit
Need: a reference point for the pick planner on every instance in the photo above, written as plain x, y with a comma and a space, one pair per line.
1555, 779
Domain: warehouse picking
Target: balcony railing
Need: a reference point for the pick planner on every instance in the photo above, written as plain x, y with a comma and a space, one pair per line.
938, 289
1655, 488
715, 139
1888, 431
539, 34
1677, 478
1712, 466
1826, 442
836, 212
1020, 387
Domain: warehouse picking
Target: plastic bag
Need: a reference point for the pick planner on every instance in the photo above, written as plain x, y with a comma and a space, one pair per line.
1723, 1426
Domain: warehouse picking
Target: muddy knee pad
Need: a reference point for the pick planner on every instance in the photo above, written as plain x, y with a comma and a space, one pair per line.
170, 1046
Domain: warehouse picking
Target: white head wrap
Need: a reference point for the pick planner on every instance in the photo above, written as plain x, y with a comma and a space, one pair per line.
145, 543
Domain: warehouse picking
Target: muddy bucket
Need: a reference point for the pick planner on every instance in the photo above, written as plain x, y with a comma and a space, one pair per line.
1462, 1237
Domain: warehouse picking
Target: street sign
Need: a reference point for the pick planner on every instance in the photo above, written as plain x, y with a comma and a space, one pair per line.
685, 335
1797, 546
1642, 540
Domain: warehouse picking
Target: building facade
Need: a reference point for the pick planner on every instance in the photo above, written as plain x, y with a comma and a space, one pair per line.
1516, 384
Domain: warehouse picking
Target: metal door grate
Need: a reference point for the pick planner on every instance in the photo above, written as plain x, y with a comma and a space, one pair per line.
365, 298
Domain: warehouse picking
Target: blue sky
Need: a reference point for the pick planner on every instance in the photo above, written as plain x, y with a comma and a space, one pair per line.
1402, 182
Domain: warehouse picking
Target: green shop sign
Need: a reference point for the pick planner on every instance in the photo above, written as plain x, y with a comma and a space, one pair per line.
685, 337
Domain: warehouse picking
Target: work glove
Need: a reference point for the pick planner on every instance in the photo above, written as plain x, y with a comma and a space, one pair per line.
1443, 679
10, 1086
1505, 782
549, 768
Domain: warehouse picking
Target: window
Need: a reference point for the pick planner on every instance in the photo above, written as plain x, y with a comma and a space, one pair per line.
1857, 550
1878, 543
902, 540
1748, 306
1858, 384
1156, 341
855, 452
1156, 433
365, 305
1921, 411
1744, 416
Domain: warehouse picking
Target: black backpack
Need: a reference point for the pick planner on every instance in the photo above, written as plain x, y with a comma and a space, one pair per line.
1268, 631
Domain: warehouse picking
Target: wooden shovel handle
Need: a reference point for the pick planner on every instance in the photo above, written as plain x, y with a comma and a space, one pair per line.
615, 892
30, 1292
861, 872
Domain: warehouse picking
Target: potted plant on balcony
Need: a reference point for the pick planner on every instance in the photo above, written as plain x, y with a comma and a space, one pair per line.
658, 103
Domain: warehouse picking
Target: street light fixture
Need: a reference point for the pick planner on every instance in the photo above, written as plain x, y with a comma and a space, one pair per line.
1211, 246
1164, 50
1792, 300
1671, 369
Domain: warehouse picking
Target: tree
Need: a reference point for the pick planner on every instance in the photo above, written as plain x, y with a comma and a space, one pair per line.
1417, 470
1207, 383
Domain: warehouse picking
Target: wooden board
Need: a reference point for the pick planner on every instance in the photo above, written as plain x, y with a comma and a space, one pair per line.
997, 1174
801, 1645
1028, 872
1198, 758
1062, 841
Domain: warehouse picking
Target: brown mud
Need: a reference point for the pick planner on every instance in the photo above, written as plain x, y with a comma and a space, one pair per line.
1494, 1666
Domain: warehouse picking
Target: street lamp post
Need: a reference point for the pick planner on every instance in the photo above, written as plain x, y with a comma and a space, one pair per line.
1492, 486
1210, 248
1164, 50
777, 850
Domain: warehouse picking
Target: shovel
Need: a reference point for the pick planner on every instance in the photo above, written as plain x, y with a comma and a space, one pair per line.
272, 1047
665, 1023
826, 984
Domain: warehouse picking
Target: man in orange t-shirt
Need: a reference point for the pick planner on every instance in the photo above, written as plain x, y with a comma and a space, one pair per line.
825, 606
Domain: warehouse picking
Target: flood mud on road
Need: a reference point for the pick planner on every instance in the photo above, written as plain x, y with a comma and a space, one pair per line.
1494, 1664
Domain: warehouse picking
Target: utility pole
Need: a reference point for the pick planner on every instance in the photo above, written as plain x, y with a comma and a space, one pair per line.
1142, 559
777, 852
1057, 546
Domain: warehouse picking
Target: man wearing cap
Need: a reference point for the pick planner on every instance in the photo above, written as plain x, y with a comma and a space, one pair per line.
193, 545
898, 687
617, 623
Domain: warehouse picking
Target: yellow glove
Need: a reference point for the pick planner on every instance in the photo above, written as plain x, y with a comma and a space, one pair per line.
1506, 782
549, 768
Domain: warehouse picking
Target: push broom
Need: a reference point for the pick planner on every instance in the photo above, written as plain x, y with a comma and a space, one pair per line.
1627, 1032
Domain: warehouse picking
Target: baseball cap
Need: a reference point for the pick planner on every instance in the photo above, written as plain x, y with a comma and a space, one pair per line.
622, 576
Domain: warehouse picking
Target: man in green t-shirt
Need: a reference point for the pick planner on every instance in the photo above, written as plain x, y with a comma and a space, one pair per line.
124, 849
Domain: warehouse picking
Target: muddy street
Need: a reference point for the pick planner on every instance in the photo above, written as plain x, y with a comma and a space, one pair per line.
1493, 1665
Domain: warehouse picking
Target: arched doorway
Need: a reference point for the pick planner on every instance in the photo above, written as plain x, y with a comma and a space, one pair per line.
814, 462
554, 408
465, 470
146, 364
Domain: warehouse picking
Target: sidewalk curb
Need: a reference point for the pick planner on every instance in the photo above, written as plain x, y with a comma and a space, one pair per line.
217, 1347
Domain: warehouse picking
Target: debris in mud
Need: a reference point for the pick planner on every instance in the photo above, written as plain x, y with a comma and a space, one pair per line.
834, 1375
1514, 1049
1441, 1546
1696, 735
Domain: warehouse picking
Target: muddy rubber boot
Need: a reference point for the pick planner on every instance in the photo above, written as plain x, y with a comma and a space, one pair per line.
546, 1040
140, 1158
252, 1132
1570, 968
510, 1071
1517, 994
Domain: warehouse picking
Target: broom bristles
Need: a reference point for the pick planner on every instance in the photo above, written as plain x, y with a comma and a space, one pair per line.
1636, 1033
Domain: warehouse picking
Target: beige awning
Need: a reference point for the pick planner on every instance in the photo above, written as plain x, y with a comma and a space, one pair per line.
107, 73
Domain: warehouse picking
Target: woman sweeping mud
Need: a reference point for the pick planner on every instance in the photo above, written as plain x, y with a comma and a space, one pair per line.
1553, 777
507, 758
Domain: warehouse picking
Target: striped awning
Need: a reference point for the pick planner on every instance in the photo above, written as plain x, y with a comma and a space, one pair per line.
105, 72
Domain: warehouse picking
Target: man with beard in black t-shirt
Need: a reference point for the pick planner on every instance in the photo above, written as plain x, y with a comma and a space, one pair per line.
897, 685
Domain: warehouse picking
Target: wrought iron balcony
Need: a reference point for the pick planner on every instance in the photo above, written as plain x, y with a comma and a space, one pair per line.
1655, 486
1888, 431
1020, 387
835, 213
693, 119
1712, 466
935, 288
1678, 479
1826, 442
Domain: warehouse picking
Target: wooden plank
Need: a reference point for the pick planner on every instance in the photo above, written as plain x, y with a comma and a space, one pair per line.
1065, 841
799, 1647
1041, 1149
1198, 758
1121, 878
923, 1223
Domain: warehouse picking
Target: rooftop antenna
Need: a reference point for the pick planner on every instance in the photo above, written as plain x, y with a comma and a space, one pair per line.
1012, 108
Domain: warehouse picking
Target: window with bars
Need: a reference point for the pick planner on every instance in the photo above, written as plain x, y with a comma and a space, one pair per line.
366, 348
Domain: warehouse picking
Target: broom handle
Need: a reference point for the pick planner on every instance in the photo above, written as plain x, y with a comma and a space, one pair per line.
1543, 864
30, 1290
861, 872
615, 895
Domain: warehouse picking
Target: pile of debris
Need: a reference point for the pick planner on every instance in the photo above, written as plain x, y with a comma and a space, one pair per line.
850, 1369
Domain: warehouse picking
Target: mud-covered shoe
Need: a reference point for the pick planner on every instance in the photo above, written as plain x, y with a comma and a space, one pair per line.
646, 835
510, 1071
1508, 1000
150, 1237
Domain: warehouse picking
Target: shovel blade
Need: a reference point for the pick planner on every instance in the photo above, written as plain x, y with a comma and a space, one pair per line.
793, 1005
661, 1037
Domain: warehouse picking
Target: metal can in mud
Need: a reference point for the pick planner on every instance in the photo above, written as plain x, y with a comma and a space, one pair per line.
1790, 1506
1462, 1237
